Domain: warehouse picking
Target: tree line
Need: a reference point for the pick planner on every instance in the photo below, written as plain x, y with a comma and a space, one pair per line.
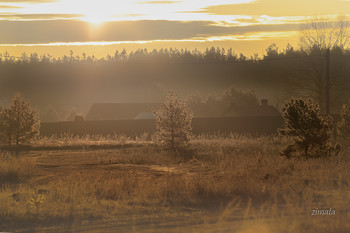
213, 54
175, 55
81, 81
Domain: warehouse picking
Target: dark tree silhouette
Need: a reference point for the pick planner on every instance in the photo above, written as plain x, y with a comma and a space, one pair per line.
310, 132
239, 97
322, 34
323, 40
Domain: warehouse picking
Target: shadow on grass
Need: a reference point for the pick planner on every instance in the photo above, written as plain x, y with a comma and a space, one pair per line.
184, 154
16, 149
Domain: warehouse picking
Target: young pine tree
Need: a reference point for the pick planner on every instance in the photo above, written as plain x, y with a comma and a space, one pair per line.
310, 132
173, 122
19, 122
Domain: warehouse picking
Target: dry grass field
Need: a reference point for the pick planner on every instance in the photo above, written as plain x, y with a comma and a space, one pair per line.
218, 184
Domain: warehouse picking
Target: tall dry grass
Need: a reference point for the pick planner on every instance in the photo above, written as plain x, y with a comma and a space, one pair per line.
235, 183
14, 169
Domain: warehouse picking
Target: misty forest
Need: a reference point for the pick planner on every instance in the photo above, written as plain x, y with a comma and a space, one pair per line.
78, 81
178, 140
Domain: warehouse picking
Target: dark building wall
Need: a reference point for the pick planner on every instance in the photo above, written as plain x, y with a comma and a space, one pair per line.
259, 125
129, 127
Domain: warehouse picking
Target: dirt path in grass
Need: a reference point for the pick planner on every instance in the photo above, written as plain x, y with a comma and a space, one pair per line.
56, 163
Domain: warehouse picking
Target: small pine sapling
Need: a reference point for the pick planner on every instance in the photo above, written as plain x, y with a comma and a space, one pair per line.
311, 133
173, 122
19, 122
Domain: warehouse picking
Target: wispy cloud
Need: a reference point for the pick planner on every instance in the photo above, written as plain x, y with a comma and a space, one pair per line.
49, 31
39, 16
151, 20
9, 7
28, 1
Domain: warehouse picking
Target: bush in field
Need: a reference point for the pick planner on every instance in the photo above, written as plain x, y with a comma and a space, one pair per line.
173, 122
19, 123
344, 124
311, 133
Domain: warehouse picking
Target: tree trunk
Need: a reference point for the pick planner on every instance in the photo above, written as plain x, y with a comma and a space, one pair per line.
172, 138
172, 130
9, 139
306, 150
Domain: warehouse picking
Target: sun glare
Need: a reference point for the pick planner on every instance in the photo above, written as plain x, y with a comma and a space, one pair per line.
95, 14
98, 12
95, 19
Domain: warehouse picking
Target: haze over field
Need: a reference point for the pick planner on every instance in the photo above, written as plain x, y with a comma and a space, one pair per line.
73, 53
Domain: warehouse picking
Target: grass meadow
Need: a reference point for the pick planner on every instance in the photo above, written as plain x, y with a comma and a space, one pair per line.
235, 183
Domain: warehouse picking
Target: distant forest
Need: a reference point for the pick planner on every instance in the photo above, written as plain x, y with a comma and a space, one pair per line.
145, 76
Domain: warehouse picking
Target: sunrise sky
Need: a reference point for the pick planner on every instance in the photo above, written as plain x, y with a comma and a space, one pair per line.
100, 27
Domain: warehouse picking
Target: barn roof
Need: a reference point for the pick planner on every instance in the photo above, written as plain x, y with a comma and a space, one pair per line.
118, 111
145, 115
258, 110
209, 110
127, 111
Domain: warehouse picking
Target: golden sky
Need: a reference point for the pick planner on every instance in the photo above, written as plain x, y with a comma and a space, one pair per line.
102, 26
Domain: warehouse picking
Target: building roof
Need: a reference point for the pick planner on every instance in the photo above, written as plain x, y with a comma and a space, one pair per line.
128, 111
145, 115
118, 111
209, 110
258, 110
